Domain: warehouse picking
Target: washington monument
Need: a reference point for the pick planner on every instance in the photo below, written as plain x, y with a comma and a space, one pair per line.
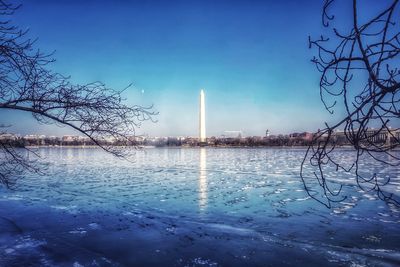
202, 119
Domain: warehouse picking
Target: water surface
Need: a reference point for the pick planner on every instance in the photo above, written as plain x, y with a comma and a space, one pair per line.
190, 207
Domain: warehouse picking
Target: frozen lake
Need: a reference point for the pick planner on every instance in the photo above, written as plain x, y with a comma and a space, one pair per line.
189, 207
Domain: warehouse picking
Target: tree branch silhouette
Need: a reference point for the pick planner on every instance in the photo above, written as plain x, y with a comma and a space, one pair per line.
360, 72
27, 84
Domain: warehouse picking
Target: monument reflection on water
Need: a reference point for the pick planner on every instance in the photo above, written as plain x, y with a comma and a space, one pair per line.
203, 179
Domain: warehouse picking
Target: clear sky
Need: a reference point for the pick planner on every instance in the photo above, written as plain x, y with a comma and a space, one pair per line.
251, 57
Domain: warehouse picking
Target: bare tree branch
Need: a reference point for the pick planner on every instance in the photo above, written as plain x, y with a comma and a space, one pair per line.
27, 84
360, 71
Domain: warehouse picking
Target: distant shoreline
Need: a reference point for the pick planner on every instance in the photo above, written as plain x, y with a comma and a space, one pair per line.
178, 147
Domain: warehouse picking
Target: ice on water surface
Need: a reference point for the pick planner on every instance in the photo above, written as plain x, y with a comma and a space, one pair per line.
192, 207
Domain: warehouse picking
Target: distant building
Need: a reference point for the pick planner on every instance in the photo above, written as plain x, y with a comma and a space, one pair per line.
8, 137
34, 137
372, 136
70, 138
303, 135
232, 134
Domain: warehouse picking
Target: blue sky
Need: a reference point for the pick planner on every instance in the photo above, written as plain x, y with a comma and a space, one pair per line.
251, 57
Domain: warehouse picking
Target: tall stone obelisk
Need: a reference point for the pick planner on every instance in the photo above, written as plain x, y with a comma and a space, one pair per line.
202, 119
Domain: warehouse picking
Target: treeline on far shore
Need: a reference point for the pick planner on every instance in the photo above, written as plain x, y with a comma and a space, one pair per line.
251, 141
